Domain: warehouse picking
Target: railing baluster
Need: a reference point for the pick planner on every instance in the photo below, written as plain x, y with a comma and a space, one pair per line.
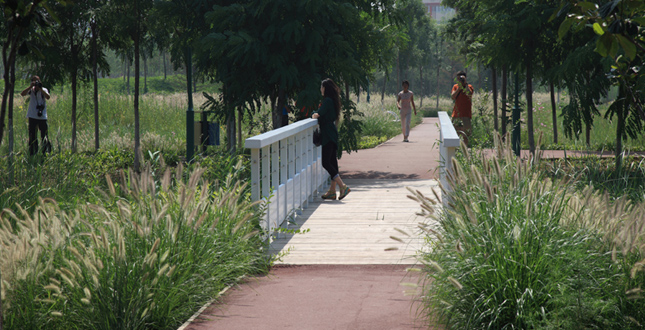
285, 165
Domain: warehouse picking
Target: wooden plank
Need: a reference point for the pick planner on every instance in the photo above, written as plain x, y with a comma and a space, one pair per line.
357, 230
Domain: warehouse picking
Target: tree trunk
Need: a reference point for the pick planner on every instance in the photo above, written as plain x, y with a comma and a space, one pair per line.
385, 78
588, 134
74, 99
9, 46
11, 140
277, 111
554, 114
164, 65
137, 136
145, 74
128, 75
398, 67
422, 90
620, 125
240, 117
529, 106
96, 84
230, 131
194, 81
495, 115
504, 98
438, 90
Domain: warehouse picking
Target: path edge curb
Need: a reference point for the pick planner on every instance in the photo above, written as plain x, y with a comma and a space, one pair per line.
208, 303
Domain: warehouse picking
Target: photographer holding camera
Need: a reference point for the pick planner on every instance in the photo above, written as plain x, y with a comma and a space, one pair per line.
462, 115
37, 114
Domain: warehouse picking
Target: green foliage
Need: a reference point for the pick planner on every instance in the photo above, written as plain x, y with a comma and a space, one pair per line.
516, 250
351, 129
616, 26
281, 50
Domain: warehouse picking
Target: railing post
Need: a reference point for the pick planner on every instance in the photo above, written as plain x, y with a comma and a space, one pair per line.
255, 174
448, 143
284, 177
285, 170
275, 178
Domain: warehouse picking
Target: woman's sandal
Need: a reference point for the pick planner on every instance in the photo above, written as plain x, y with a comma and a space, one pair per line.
329, 195
343, 192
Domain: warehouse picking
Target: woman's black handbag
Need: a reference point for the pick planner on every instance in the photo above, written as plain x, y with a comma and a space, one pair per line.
317, 138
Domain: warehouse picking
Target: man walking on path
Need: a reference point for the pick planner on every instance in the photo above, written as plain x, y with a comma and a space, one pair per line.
404, 99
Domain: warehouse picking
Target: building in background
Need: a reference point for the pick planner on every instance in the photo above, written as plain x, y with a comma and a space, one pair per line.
437, 11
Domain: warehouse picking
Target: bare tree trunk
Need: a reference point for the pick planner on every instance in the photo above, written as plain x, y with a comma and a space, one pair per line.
194, 81
620, 126
554, 114
504, 98
438, 90
74, 99
230, 130
164, 65
529, 106
128, 77
137, 133
398, 67
240, 116
145, 74
496, 122
422, 90
385, 78
96, 83
10, 131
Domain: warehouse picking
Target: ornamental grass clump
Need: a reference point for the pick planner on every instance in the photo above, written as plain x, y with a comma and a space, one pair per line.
146, 257
516, 250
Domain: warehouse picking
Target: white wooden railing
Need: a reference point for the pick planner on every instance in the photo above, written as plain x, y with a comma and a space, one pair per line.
448, 144
286, 170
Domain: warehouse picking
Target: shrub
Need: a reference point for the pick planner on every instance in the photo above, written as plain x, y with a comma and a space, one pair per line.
516, 250
145, 256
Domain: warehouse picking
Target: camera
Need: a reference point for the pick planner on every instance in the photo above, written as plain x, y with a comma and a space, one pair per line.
40, 108
38, 84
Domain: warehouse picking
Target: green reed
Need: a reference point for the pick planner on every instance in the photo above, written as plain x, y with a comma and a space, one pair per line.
517, 250
145, 255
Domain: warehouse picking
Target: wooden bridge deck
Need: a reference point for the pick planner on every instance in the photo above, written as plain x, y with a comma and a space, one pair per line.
358, 229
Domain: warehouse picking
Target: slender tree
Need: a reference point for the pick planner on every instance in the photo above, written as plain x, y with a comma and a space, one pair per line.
131, 17
19, 17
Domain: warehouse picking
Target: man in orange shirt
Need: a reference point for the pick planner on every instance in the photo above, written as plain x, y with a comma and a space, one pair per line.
462, 115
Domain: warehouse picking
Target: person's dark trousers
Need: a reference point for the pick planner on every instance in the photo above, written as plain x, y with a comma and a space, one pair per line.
329, 160
41, 125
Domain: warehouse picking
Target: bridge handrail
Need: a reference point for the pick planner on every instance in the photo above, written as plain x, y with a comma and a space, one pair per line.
448, 144
286, 170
